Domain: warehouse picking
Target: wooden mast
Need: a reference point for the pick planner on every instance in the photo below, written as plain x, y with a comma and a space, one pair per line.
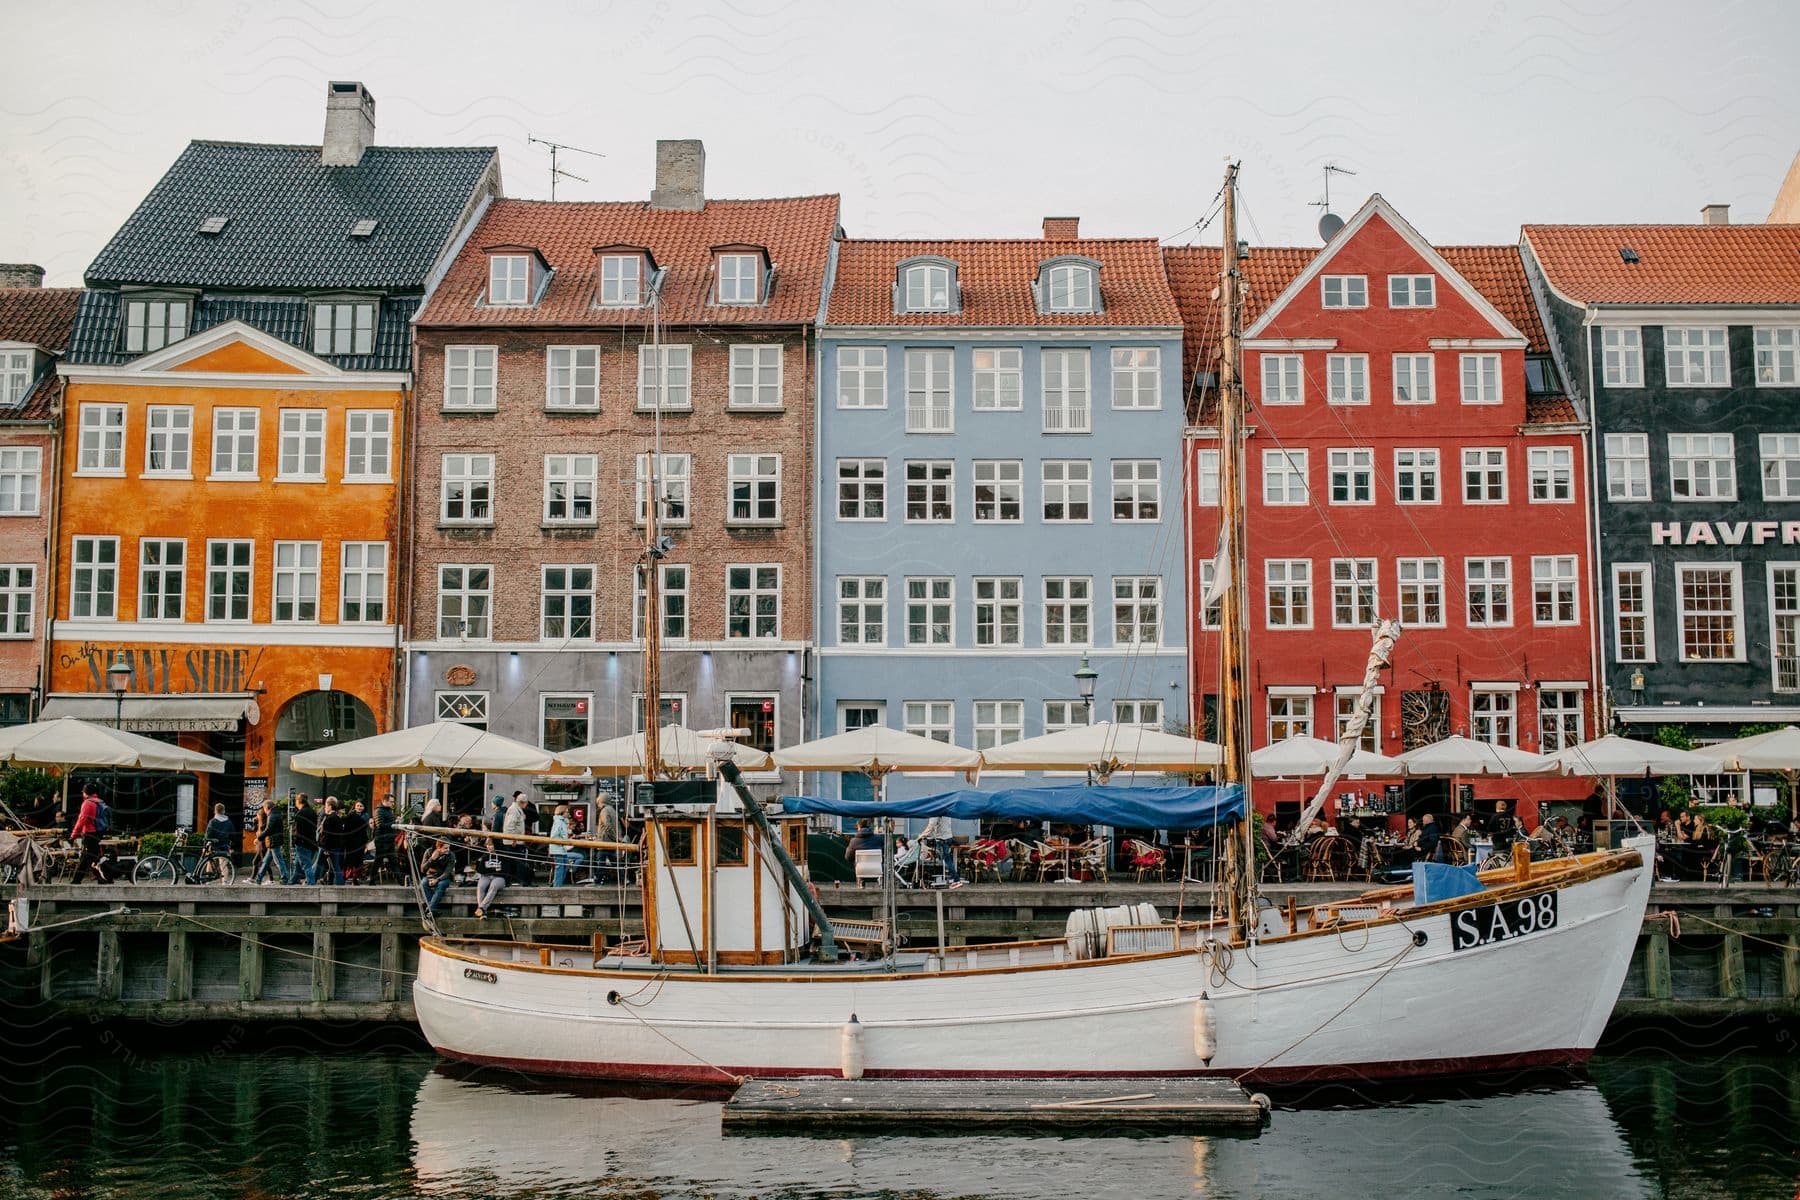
652, 561
1234, 708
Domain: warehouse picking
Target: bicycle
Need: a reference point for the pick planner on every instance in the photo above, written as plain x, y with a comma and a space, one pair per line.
189, 860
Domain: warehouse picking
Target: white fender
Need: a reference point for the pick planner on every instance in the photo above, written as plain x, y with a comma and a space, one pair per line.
1206, 1029
852, 1048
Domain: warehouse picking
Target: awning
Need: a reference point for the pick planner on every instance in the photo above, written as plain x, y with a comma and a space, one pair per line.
1715, 714
214, 712
1130, 807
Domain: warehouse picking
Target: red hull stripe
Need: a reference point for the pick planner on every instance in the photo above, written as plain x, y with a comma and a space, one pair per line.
1353, 1072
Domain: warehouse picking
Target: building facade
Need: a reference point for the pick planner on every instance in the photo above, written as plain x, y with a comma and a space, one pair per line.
568, 342
999, 456
1685, 341
230, 525
1413, 456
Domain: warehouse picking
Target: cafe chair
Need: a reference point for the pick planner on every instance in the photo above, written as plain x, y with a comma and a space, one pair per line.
1089, 857
868, 866
1050, 860
1329, 860
1147, 859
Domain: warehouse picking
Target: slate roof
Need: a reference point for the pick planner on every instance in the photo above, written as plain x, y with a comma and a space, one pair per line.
996, 277
290, 218
96, 339
1677, 264
43, 317
796, 231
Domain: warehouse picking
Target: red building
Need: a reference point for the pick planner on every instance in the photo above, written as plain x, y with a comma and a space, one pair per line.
1411, 454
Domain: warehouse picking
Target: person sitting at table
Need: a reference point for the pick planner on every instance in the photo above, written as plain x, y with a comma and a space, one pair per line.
1665, 825
1411, 839
1685, 827
1429, 836
1270, 839
1464, 835
865, 838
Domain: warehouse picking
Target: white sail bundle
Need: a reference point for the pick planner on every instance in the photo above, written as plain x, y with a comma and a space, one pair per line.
1386, 632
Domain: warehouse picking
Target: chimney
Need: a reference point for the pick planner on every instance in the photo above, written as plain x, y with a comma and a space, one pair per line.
1062, 229
21, 275
349, 123
1715, 214
680, 175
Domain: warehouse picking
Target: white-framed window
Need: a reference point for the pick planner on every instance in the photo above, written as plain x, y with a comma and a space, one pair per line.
862, 610
1283, 378
1068, 610
1622, 357
1145, 714
671, 709
1136, 377
1347, 378
1067, 403
1696, 357
1412, 291
999, 490
999, 610
1416, 476
564, 720
509, 280
465, 601
94, 578
362, 583
234, 439
1071, 288
1710, 603
169, 440
1780, 466
368, 446
1137, 610
466, 495
740, 279
673, 596
1481, 379
1552, 474
566, 604
1213, 614
296, 583
343, 327
1344, 291
1287, 587
1290, 713
18, 599
572, 378
1354, 599
754, 484
1136, 489
1560, 719
860, 714
674, 480
1415, 379
152, 323
21, 472
1206, 478
621, 280
1067, 714
756, 376
930, 399
570, 482
862, 376
1488, 582
466, 708
1421, 592
753, 601
1777, 356
1494, 715
162, 579
934, 719
1784, 625
1555, 585
302, 446
1634, 619
1702, 466
930, 610
999, 379
229, 579
998, 722
1068, 490
1345, 710
1484, 475
15, 375
1284, 477
665, 377
469, 375
1627, 467
925, 287
1351, 474
102, 440
862, 489
930, 490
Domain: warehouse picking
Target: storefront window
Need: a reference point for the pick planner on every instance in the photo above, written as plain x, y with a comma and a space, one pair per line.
564, 724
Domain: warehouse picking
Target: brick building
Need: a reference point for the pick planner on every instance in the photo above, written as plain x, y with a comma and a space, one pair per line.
563, 338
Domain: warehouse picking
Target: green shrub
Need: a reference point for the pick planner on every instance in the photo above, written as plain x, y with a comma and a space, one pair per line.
155, 843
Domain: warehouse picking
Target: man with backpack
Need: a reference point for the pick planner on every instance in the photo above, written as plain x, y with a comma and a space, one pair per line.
94, 820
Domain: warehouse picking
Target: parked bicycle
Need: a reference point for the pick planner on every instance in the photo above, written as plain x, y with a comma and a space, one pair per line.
190, 860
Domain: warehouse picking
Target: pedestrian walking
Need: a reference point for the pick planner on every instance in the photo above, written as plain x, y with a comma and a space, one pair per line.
518, 866
221, 835
90, 823
334, 837
305, 826
566, 858
271, 843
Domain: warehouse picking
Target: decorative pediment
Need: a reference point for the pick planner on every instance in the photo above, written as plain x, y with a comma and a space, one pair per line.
233, 348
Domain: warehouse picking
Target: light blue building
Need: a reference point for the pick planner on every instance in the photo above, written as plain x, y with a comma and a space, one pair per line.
1000, 491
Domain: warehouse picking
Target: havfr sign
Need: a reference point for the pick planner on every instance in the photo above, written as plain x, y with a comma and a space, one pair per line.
1724, 533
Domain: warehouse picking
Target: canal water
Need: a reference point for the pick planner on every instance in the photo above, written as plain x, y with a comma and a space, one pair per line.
232, 1118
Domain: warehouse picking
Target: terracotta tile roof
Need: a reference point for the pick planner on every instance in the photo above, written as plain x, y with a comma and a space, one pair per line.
1550, 410
996, 275
1498, 273
796, 231
1677, 264
41, 316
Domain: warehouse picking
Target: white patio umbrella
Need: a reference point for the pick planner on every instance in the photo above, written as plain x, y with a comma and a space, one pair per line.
875, 751
1105, 748
1612, 757
442, 748
1302, 755
64, 743
1778, 750
1466, 756
678, 747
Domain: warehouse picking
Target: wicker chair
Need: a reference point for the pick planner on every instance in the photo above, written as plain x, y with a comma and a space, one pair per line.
1089, 856
1328, 860
1147, 859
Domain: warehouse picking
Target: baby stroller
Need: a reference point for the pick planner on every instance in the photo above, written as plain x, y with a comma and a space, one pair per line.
917, 866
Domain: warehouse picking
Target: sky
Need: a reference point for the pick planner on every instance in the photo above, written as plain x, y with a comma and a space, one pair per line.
970, 118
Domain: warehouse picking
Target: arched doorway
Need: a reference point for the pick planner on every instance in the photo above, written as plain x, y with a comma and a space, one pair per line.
313, 720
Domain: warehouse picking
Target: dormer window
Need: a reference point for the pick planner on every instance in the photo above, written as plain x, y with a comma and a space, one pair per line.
1071, 288
152, 322
509, 279
622, 279
16, 374
926, 287
343, 325
739, 279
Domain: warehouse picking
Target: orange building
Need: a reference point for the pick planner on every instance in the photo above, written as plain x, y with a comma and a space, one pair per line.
235, 403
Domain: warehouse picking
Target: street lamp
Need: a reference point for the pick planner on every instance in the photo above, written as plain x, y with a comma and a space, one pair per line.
1085, 676
118, 677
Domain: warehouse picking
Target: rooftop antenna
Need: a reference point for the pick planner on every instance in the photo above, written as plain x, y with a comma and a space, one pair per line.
557, 172
1330, 222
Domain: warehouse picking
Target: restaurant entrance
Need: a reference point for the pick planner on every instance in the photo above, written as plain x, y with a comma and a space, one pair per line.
313, 720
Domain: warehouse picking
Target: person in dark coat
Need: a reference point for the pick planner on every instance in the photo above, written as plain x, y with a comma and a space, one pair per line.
1429, 836
304, 824
335, 832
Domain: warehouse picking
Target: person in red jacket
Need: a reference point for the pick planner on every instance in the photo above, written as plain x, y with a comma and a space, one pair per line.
87, 832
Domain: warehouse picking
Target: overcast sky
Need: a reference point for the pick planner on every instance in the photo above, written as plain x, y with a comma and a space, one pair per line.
971, 117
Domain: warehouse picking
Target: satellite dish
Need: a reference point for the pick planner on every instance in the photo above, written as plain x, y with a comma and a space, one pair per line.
1329, 224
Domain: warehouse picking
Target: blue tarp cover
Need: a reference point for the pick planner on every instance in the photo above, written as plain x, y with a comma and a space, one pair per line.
1128, 807
1441, 881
